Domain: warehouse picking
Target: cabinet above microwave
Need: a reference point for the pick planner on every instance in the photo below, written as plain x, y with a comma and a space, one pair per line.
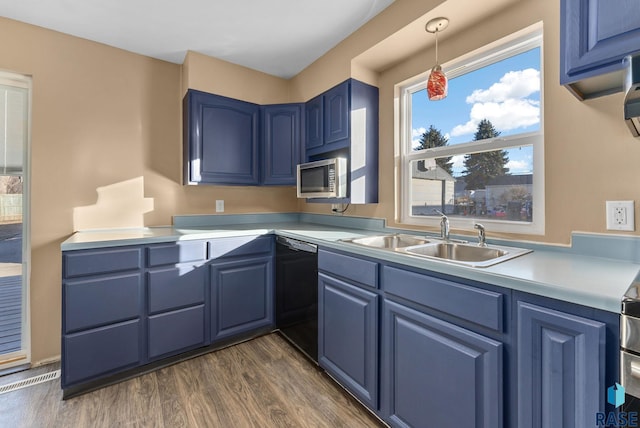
343, 122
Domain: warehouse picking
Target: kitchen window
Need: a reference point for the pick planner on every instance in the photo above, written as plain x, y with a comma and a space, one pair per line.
478, 154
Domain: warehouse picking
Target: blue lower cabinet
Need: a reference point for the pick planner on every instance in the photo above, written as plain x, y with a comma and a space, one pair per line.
241, 296
436, 374
561, 368
348, 337
91, 354
177, 331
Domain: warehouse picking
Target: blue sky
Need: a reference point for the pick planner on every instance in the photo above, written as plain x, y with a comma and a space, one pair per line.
507, 93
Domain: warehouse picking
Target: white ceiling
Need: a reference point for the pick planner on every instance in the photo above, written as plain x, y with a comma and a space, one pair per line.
278, 37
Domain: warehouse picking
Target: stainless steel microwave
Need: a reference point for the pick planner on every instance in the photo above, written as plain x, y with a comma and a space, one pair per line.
325, 178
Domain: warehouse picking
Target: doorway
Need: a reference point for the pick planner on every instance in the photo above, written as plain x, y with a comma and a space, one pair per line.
15, 97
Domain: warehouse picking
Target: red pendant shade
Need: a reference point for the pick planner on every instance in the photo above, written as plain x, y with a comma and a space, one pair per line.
437, 84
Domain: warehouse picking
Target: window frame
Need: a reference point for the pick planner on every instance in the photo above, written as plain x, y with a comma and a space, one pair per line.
503, 48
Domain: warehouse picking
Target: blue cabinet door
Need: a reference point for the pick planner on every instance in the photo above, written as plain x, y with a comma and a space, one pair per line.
314, 123
328, 120
336, 116
436, 374
595, 36
348, 337
561, 368
221, 140
241, 296
91, 354
281, 143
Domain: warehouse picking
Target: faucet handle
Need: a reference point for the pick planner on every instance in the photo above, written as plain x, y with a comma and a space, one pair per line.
481, 234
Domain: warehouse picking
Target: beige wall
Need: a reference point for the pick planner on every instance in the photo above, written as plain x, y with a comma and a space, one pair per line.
103, 117
590, 156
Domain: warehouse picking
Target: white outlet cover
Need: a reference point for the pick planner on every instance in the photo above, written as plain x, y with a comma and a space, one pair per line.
620, 215
219, 206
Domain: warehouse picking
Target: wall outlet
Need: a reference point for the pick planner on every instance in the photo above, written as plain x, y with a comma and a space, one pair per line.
620, 215
220, 206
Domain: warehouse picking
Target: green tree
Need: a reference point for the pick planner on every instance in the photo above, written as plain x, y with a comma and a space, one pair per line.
434, 138
480, 168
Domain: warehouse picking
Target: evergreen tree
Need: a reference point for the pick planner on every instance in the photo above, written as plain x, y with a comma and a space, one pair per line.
480, 168
434, 138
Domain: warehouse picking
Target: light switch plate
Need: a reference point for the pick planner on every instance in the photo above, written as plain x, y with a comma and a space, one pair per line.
219, 206
620, 215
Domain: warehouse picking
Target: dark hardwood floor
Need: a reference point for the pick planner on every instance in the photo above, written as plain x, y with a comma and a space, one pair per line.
260, 383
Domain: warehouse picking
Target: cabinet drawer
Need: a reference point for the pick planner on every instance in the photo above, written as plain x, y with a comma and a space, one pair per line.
93, 302
469, 303
172, 332
93, 353
80, 263
181, 252
362, 271
239, 246
175, 288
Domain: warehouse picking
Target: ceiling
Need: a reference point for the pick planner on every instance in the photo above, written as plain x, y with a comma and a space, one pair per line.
278, 37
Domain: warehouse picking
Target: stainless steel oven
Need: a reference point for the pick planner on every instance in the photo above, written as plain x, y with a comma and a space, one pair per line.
630, 347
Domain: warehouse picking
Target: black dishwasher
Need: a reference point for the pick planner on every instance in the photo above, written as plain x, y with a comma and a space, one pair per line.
297, 294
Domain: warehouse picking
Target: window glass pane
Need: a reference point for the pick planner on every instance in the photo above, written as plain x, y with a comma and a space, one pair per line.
495, 184
506, 93
13, 128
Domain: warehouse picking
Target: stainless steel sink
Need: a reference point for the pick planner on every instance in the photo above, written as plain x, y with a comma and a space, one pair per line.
465, 254
389, 242
458, 252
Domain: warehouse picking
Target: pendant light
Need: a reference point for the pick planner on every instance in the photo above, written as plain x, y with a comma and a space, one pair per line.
437, 82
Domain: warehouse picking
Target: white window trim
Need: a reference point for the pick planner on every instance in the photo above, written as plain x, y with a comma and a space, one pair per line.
514, 44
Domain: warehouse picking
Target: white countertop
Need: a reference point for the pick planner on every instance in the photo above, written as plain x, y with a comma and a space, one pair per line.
591, 281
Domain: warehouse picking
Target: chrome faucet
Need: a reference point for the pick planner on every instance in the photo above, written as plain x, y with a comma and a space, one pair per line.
482, 238
444, 225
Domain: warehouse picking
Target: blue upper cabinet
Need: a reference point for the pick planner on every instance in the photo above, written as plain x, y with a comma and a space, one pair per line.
343, 122
221, 140
314, 123
328, 118
281, 125
336, 116
595, 36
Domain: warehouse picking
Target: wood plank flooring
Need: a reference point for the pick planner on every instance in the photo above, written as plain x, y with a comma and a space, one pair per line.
10, 313
260, 383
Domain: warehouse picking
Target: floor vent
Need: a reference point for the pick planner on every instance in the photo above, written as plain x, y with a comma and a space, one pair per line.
30, 381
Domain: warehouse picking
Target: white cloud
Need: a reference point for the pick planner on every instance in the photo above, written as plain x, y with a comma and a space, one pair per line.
416, 133
458, 161
514, 84
519, 166
505, 103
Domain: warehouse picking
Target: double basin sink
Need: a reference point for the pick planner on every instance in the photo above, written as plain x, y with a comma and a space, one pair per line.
436, 249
